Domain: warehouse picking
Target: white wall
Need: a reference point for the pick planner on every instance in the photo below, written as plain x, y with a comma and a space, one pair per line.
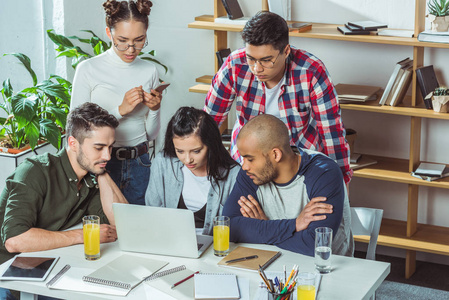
189, 54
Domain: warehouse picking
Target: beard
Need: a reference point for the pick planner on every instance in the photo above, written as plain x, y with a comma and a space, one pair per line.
86, 165
268, 174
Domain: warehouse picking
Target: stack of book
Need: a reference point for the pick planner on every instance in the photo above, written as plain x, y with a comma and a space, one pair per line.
361, 27
352, 93
431, 172
398, 83
434, 36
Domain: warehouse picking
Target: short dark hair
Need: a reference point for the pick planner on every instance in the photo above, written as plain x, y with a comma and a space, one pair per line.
266, 28
85, 118
118, 11
189, 120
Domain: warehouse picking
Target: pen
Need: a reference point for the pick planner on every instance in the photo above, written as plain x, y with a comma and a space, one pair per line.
241, 259
185, 279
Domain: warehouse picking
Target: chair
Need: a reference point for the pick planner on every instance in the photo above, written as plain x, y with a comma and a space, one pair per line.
366, 221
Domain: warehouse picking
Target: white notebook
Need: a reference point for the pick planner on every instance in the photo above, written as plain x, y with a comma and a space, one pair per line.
216, 286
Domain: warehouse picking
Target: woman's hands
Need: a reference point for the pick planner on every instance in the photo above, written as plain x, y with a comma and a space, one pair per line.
137, 95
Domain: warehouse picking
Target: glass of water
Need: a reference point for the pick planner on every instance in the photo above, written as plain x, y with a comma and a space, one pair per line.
323, 249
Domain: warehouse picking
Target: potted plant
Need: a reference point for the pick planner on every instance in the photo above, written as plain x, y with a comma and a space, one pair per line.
37, 113
439, 14
440, 99
66, 48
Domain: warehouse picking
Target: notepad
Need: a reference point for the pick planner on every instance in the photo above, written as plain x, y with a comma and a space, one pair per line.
164, 280
216, 286
264, 258
125, 272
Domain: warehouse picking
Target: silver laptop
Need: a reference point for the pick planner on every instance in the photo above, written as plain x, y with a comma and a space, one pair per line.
158, 230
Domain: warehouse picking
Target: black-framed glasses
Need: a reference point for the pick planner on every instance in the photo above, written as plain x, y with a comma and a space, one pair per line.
265, 63
125, 46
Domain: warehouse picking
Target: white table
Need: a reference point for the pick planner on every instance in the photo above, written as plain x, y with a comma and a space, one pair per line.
351, 278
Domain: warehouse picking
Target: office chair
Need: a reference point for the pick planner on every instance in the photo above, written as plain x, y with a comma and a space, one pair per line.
366, 221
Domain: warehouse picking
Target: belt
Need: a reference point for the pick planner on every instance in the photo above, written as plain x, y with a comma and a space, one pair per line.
122, 153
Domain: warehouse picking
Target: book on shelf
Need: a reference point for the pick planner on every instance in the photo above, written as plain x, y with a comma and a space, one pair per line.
363, 161
396, 32
368, 25
430, 169
445, 173
232, 8
391, 82
299, 27
354, 28
264, 258
125, 272
344, 30
427, 82
434, 36
402, 87
356, 93
216, 286
222, 55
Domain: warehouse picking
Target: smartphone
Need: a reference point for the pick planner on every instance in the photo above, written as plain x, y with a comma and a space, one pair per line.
160, 88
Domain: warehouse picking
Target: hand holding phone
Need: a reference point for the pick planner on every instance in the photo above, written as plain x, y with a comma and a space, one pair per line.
160, 88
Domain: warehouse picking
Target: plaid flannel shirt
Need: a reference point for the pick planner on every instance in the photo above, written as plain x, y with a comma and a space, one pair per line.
307, 104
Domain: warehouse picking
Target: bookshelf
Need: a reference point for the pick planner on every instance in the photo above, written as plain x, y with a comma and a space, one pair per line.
408, 235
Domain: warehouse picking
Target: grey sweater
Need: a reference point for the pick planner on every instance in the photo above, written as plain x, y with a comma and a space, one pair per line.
166, 183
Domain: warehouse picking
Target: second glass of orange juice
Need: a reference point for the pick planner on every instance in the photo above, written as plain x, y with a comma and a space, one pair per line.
221, 235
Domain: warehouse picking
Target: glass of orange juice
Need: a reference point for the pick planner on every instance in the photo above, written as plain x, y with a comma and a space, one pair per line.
91, 233
221, 235
306, 286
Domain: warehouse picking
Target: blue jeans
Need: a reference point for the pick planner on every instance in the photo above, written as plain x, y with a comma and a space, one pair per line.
131, 176
5, 294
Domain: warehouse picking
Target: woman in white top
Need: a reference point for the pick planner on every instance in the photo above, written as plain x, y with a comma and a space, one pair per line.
194, 170
119, 81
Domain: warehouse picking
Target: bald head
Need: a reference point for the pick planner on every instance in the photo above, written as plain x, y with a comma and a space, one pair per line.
268, 132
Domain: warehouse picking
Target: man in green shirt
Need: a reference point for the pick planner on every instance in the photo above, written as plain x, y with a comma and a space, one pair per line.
50, 193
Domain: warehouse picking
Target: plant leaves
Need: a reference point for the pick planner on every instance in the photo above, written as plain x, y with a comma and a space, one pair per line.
25, 60
32, 131
7, 88
50, 132
74, 37
50, 88
60, 115
24, 108
151, 52
59, 40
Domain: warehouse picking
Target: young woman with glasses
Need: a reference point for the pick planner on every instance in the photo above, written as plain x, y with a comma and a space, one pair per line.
194, 170
121, 82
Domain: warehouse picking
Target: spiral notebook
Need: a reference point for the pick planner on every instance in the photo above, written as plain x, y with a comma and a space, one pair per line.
164, 280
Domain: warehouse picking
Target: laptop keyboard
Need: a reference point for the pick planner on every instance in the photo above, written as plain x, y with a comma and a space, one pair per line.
199, 246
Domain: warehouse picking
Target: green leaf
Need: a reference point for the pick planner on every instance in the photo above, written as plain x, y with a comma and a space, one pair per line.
151, 52
157, 62
59, 40
25, 60
90, 31
24, 108
7, 88
50, 132
32, 132
59, 114
2, 121
74, 37
53, 89
67, 84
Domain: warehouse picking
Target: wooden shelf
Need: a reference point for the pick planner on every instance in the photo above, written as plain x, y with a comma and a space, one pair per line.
370, 106
327, 32
428, 238
200, 88
396, 170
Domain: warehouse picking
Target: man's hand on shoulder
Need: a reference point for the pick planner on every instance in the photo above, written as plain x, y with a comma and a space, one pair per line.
315, 210
107, 233
250, 208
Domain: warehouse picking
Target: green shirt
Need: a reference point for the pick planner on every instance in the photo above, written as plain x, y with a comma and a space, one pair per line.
42, 193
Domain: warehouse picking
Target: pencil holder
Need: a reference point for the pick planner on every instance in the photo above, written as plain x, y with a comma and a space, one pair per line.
278, 296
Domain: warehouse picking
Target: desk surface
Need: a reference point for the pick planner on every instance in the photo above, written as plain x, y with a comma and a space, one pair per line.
351, 278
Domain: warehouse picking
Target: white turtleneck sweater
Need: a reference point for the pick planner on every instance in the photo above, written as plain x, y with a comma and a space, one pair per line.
104, 80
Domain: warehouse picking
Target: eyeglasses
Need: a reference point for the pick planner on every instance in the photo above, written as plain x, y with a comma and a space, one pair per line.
265, 63
125, 46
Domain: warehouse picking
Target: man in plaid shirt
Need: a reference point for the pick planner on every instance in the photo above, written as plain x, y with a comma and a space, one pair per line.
269, 76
